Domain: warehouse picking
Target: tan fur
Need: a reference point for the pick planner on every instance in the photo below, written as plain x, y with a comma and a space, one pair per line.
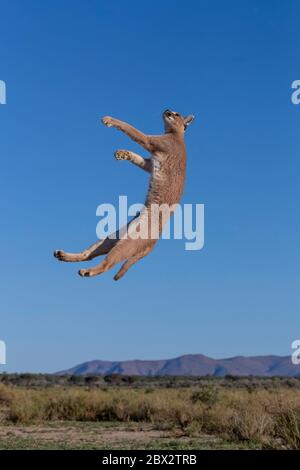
167, 167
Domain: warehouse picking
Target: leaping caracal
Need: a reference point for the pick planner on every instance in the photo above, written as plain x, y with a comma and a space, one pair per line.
167, 166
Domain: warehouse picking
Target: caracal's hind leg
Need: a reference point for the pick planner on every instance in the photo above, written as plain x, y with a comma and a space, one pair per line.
130, 262
101, 247
122, 250
113, 257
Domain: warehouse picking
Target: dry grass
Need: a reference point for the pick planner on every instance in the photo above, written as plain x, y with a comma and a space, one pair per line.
268, 418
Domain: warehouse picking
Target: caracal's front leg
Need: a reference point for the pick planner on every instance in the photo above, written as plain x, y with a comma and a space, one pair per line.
144, 163
136, 135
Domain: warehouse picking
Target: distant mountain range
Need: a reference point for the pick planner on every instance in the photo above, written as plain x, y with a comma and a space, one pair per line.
192, 364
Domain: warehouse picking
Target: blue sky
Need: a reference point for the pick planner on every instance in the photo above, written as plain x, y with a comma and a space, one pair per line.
66, 64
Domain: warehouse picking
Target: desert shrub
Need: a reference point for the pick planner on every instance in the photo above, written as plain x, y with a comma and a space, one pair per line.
194, 428
75, 379
6, 395
115, 379
240, 416
182, 416
288, 426
207, 394
251, 425
6, 399
25, 408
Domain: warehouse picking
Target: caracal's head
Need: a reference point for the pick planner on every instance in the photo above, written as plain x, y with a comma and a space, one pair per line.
175, 122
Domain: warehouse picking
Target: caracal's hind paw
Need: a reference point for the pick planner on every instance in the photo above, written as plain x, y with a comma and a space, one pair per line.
60, 255
84, 273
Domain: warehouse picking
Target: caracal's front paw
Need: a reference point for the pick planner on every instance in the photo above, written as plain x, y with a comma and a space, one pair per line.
122, 155
108, 121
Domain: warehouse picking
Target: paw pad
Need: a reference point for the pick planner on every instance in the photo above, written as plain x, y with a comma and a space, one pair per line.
122, 155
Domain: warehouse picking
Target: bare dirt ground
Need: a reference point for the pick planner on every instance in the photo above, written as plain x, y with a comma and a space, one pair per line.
103, 436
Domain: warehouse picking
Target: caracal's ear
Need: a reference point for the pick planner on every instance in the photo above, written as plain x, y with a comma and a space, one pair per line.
188, 120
